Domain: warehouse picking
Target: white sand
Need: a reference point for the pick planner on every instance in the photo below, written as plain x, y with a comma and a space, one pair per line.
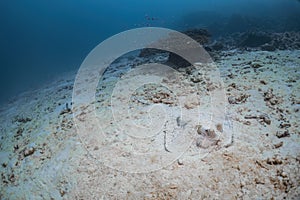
261, 163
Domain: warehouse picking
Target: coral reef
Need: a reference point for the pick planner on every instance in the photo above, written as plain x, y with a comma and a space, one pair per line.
202, 36
258, 40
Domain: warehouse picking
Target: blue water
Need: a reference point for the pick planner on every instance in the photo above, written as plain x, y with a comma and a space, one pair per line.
41, 39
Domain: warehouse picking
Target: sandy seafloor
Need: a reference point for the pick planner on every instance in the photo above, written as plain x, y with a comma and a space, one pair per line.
42, 155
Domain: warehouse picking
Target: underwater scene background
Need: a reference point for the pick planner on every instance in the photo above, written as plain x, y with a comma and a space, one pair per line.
150, 99
41, 39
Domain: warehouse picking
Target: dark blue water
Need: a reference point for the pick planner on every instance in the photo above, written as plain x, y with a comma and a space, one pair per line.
41, 39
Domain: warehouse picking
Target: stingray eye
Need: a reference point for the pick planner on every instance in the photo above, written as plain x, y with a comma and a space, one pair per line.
211, 133
206, 132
